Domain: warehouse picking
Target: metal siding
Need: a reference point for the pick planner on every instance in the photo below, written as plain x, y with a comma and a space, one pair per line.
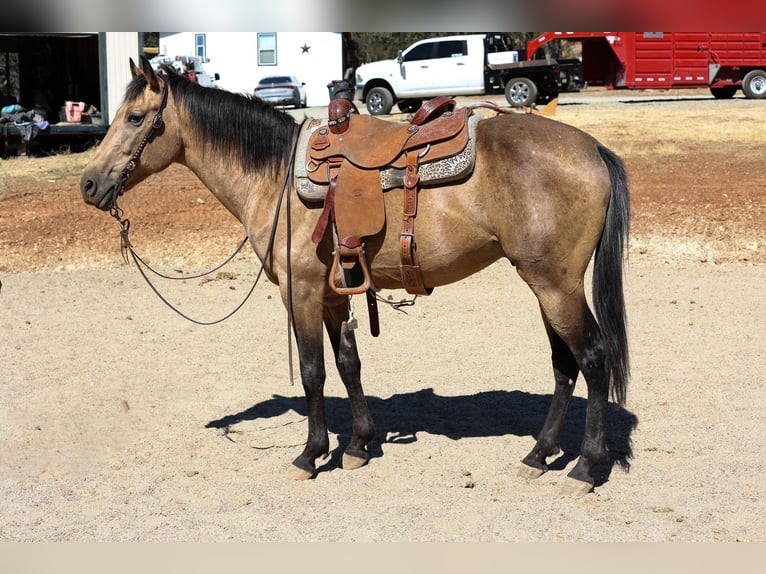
683, 59
653, 61
740, 49
119, 47
690, 58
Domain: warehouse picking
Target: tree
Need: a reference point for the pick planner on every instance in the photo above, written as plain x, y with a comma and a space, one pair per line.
151, 39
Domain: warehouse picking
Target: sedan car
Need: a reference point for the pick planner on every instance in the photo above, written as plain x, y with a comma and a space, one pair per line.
281, 91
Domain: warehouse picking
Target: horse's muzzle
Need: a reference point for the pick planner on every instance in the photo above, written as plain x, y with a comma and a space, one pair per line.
100, 196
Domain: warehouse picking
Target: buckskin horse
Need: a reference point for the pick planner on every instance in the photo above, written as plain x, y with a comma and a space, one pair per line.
542, 194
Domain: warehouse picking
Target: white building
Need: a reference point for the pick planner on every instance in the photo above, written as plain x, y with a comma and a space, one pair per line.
243, 58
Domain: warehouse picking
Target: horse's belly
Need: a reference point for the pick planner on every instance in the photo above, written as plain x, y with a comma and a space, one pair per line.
448, 248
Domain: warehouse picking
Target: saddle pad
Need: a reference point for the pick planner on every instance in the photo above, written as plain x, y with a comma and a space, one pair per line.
442, 171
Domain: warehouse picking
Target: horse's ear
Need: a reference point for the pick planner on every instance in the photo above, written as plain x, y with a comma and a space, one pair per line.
147, 71
134, 71
151, 75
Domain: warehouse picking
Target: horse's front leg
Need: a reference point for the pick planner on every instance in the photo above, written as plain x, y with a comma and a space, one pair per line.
308, 335
349, 368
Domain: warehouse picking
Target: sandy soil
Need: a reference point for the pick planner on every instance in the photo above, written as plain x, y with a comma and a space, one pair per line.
121, 421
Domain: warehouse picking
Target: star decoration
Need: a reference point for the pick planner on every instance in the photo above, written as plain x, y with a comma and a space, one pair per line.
305, 48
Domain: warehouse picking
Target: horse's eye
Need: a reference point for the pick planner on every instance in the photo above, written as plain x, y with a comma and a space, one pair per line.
135, 119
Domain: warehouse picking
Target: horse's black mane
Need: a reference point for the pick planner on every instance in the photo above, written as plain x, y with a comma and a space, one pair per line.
240, 127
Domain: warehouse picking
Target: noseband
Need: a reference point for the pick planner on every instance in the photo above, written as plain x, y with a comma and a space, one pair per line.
154, 129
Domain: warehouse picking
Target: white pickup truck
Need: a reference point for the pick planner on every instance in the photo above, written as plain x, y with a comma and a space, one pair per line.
472, 64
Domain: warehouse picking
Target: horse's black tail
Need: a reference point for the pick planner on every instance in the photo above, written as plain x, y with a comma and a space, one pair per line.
608, 296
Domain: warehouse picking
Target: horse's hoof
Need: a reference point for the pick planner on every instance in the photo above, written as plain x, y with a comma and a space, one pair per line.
297, 473
574, 488
351, 462
530, 472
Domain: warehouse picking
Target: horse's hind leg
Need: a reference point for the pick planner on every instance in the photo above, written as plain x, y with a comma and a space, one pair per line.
565, 371
349, 368
568, 315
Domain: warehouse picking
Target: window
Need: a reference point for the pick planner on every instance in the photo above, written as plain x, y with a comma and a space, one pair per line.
431, 50
420, 52
452, 49
200, 48
267, 49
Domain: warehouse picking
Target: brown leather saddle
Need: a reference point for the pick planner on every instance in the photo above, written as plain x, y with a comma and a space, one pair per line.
348, 156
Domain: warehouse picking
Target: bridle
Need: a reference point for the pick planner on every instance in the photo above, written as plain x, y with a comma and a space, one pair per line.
127, 248
154, 129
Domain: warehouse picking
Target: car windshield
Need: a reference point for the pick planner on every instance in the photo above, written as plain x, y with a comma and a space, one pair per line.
275, 80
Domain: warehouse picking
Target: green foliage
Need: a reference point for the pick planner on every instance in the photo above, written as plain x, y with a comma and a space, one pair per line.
373, 46
151, 39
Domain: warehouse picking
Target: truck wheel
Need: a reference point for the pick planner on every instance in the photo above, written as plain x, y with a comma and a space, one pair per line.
520, 92
409, 106
724, 92
754, 84
379, 101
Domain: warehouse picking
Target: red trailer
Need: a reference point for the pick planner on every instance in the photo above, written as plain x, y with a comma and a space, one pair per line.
724, 62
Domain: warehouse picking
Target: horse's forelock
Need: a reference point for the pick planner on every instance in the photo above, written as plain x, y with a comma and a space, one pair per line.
135, 88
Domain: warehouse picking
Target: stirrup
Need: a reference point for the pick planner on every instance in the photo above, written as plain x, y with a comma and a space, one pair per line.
358, 251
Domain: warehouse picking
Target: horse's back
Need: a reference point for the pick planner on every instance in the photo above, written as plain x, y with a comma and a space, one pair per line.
523, 139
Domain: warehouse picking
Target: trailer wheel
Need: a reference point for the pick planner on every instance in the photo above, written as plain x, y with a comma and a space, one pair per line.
724, 92
379, 101
754, 84
520, 92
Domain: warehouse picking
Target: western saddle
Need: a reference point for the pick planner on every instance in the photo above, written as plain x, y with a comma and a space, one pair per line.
346, 159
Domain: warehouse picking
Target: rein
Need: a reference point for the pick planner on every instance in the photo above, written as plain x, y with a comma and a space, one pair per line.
127, 248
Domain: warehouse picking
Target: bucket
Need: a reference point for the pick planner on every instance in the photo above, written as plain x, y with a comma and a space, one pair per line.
73, 111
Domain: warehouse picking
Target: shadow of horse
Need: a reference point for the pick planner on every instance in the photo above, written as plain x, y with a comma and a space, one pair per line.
399, 419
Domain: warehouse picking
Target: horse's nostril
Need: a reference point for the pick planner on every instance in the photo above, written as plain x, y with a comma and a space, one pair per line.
89, 187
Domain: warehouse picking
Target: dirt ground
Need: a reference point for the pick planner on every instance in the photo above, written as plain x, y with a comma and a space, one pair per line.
120, 421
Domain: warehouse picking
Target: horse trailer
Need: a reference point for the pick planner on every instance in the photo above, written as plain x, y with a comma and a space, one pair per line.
722, 61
